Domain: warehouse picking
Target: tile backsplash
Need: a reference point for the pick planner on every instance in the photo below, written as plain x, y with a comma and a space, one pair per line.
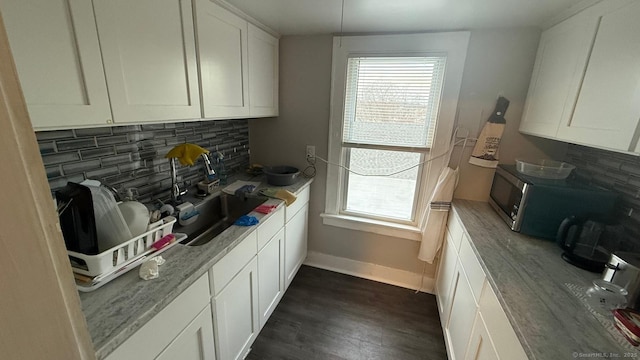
133, 156
617, 172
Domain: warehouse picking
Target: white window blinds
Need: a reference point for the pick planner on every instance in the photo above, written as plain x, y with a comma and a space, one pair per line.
392, 101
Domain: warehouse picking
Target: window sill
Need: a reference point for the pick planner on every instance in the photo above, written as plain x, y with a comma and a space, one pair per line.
372, 226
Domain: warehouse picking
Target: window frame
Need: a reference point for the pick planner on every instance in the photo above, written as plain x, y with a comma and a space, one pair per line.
453, 45
344, 193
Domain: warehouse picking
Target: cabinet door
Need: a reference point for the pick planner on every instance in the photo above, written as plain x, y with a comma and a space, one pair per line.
270, 276
263, 72
480, 345
463, 311
149, 341
608, 108
560, 62
504, 339
148, 49
57, 55
195, 342
445, 278
222, 47
295, 249
236, 314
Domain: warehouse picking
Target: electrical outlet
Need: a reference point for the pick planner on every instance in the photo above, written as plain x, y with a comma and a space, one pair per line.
311, 152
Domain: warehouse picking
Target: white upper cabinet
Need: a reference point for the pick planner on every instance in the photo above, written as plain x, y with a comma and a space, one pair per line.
584, 87
263, 73
57, 54
238, 64
107, 62
224, 71
148, 49
608, 109
562, 57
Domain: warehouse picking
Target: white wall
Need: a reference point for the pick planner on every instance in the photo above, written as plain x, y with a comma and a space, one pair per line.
498, 62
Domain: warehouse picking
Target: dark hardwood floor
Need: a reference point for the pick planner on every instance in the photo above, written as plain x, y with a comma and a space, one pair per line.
326, 315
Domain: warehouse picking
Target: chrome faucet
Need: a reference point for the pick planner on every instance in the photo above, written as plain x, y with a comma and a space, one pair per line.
208, 168
176, 192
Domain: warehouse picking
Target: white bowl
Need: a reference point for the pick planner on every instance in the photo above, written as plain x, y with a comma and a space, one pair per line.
136, 215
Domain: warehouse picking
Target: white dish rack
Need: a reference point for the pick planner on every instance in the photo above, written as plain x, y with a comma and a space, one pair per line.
116, 261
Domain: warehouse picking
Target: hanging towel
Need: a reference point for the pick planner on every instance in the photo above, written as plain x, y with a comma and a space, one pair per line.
287, 196
187, 153
437, 211
485, 153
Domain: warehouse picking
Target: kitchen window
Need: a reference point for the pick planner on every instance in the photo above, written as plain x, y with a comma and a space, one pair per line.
393, 107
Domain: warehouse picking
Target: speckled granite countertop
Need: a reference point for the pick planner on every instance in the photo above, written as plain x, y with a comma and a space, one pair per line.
118, 309
529, 277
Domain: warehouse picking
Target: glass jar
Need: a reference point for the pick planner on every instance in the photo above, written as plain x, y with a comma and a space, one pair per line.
604, 297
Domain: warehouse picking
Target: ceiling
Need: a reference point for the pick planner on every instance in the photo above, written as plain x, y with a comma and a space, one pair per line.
306, 17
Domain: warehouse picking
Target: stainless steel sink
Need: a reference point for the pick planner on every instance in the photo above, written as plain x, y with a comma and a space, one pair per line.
216, 215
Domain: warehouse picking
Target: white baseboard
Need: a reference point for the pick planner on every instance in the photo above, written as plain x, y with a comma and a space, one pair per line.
383, 274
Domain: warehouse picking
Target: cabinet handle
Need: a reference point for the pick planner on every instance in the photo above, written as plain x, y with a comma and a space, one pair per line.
109, 121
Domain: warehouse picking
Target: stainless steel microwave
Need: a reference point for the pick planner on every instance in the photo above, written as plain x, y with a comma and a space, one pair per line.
536, 207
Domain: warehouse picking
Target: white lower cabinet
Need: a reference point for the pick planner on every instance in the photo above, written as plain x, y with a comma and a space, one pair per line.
236, 314
192, 343
473, 322
463, 310
295, 234
183, 327
446, 272
503, 337
295, 249
480, 345
271, 276
221, 314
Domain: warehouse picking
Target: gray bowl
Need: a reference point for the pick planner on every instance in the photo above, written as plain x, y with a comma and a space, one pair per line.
281, 175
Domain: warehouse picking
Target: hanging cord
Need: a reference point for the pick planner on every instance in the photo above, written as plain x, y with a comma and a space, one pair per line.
464, 145
424, 269
312, 162
341, 22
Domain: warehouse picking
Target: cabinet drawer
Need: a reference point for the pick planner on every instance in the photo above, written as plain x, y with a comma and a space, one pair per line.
302, 199
455, 229
472, 267
154, 336
270, 227
231, 264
